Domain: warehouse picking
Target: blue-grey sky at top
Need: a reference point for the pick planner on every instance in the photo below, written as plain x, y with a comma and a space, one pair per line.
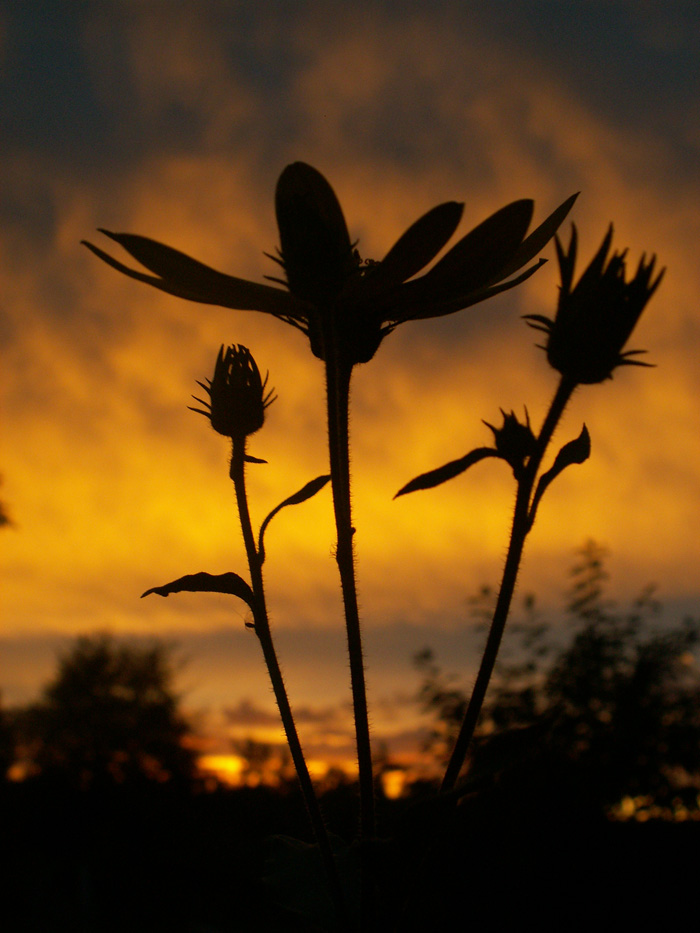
638, 62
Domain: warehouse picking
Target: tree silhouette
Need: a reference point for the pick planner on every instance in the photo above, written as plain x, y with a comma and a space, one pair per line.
611, 714
110, 716
7, 742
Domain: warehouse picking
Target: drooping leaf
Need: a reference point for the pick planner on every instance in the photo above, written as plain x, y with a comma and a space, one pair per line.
576, 451
306, 492
448, 471
203, 582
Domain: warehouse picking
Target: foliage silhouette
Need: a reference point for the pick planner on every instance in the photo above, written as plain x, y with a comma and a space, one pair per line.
618, 704
7, 741
346, 306
110, 716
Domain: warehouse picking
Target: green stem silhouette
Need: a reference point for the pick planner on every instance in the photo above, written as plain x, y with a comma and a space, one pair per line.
264, 633
519, 531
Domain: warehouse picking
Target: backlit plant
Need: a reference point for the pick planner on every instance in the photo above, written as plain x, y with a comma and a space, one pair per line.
347, 306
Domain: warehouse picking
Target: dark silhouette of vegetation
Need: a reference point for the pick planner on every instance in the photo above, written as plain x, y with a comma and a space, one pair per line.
110, 715
611, 714
7, 742
606, 707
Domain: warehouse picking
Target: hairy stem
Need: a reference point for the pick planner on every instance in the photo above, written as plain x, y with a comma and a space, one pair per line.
338, 395
264, 633
519, 532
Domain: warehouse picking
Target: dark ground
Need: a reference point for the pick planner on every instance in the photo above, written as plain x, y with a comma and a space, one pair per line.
159, 859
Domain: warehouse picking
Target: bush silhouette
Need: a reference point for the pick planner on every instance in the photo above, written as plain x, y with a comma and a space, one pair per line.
612, 713
110, 716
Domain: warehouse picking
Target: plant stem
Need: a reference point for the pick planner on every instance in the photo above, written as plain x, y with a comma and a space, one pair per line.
519, 532
338, 397
338, 375
264, 633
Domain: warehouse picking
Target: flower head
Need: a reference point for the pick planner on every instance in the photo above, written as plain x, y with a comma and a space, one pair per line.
345, 305
514, 441
237, 397
596, 317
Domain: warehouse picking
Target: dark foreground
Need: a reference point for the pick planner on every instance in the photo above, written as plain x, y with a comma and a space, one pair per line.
159, 859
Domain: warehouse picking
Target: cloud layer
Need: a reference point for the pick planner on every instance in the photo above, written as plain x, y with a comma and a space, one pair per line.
177, 128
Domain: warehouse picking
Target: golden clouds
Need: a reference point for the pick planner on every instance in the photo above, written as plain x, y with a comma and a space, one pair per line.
116, 487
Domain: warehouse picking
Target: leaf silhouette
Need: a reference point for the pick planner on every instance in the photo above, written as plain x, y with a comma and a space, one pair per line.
576, 451
202, 582
306, 492
448, 471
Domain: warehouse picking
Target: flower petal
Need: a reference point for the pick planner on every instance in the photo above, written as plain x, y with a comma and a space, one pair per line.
479, 256
415, 305
539, 238
418, 246
179, 274
316, 250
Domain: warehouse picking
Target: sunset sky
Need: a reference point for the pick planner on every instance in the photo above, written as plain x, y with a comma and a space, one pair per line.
174, 120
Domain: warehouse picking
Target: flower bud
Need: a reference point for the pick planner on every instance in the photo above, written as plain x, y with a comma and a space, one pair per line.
515, 442
237, 398
596, 317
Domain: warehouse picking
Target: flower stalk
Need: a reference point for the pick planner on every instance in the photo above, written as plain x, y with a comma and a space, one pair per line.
238, 399
338, 396
585, 344
520, 528
263, 631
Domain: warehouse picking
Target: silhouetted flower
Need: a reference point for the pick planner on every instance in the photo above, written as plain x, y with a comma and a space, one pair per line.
515, 442
347, 306
237, 398
595, 318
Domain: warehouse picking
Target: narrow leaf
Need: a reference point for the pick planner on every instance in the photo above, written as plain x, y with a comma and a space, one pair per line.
306, 492
207, 583
576, 451
448, 471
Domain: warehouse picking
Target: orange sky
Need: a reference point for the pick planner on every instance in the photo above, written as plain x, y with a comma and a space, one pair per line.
115, 487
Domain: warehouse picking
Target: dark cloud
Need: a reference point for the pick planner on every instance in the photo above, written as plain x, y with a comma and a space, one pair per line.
72, 71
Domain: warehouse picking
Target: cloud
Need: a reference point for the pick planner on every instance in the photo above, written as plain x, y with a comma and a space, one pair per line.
116, 487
